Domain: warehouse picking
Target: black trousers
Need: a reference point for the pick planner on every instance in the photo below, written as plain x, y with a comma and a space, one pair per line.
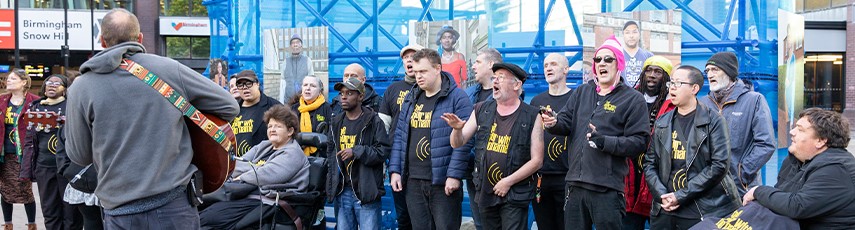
58, 214
403, 216
549, 212
91, 216
665, 221
583, 208
505, 217
430, 208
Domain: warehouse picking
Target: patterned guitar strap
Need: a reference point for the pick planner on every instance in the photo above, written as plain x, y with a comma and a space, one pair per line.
174, 98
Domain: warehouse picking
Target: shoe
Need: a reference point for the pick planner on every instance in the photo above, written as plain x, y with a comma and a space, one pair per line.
32, 226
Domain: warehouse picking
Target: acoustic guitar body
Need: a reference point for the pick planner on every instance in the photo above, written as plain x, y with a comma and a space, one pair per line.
213, 159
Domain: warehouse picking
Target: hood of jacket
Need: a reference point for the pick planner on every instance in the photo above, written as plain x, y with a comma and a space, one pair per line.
109, 59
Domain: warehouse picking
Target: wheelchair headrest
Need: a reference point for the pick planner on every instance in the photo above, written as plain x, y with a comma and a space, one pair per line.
311, 139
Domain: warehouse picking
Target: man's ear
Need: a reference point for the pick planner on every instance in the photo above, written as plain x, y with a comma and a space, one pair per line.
103, 44
140, 38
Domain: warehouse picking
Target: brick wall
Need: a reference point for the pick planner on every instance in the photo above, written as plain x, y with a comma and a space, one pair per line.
849, 112
147, 13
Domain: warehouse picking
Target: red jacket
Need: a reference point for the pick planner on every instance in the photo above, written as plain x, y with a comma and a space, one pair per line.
641, 202
22, 126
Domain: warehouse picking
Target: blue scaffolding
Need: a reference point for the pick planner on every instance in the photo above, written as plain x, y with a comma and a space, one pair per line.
372, 32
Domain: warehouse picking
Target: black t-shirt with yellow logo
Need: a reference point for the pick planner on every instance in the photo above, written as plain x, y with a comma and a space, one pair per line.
349, 137
12, 112
496, 158
418, 149
249, 127
555, 148
679, 176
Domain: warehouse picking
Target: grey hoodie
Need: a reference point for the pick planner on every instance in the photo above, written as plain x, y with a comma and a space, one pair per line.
137, 141
286, 166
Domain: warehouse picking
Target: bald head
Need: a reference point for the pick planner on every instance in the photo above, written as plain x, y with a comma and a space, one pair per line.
556, 67
558, 58
118, 26
354, 70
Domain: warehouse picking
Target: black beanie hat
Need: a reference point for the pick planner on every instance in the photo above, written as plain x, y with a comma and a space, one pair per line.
726, 61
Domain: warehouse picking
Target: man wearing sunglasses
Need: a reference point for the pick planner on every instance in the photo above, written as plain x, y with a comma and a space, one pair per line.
748, 117
686, 163
606, 124
249, 125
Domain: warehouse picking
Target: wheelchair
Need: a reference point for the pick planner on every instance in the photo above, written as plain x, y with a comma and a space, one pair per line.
286, 210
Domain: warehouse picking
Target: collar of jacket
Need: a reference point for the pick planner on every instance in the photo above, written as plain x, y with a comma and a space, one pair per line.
445, 89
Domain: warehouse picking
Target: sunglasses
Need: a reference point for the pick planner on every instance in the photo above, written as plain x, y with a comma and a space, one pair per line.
608, 59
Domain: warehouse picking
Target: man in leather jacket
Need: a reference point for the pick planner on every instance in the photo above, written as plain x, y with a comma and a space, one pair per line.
687, 161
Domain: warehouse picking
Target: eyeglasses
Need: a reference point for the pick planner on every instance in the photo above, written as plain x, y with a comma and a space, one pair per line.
53, 83
499, 79
676, 84
608, 59
651, 71
711, 69
244, 84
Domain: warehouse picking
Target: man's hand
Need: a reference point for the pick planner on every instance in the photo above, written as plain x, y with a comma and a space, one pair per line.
749, 196
451, 185
548, 120
595, 140
501, 188
395, 180
453, 120
345, 154
669, 202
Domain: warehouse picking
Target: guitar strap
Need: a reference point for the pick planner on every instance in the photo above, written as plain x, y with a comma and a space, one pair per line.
175, 98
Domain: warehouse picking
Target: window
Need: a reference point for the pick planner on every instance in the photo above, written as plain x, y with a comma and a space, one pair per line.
188, 47
186, 8
824, 81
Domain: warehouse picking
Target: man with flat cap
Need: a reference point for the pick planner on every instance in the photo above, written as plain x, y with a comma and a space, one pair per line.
508, 149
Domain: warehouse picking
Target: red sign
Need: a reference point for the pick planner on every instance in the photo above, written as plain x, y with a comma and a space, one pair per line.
7, 29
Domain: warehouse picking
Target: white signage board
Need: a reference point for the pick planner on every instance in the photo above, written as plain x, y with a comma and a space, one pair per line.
185, 26
44, 29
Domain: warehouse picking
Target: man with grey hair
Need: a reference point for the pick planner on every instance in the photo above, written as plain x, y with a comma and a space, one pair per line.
138, 142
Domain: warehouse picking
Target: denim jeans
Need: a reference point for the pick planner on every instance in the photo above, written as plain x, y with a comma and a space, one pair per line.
430, 208
178, 214
352, 214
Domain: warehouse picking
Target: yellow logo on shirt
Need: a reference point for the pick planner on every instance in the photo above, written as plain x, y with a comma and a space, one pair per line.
498, 143
678, 150
420, 119
319, 117
733, 222
401, 95
10, 116
242, 126
346, 141
52, 142
609, 107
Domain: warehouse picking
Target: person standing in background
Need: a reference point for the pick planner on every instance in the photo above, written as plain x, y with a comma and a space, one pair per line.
295, 66
453, 62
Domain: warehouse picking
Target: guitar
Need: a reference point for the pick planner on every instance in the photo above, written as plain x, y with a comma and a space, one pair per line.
212, 158
44, 120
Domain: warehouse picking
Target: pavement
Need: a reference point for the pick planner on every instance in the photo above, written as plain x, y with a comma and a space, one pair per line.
19, 216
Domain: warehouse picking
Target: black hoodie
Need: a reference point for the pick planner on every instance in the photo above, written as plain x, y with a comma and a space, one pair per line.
369, 153
620, 117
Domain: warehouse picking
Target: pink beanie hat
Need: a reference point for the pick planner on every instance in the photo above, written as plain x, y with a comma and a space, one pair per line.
612, 44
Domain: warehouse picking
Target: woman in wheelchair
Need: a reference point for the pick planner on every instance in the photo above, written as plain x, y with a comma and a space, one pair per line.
277, 162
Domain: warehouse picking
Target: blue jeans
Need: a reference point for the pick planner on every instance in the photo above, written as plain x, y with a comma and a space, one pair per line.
352, 214
177, 214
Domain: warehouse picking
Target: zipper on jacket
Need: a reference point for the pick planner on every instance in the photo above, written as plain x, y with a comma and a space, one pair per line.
699, 210
350, 174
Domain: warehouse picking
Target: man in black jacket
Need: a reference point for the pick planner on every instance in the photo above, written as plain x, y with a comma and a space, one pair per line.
817, 179
605, 120
688, 159
249, 125
356, 176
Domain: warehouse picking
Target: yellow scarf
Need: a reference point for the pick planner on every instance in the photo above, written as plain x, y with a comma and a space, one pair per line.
306, 119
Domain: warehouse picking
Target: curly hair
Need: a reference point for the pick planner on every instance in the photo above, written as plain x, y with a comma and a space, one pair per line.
829, 125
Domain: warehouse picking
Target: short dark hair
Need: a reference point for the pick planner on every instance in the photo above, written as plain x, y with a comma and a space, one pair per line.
630, 22
285, 115
430, 54
696, 77
118, 26
829, 125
